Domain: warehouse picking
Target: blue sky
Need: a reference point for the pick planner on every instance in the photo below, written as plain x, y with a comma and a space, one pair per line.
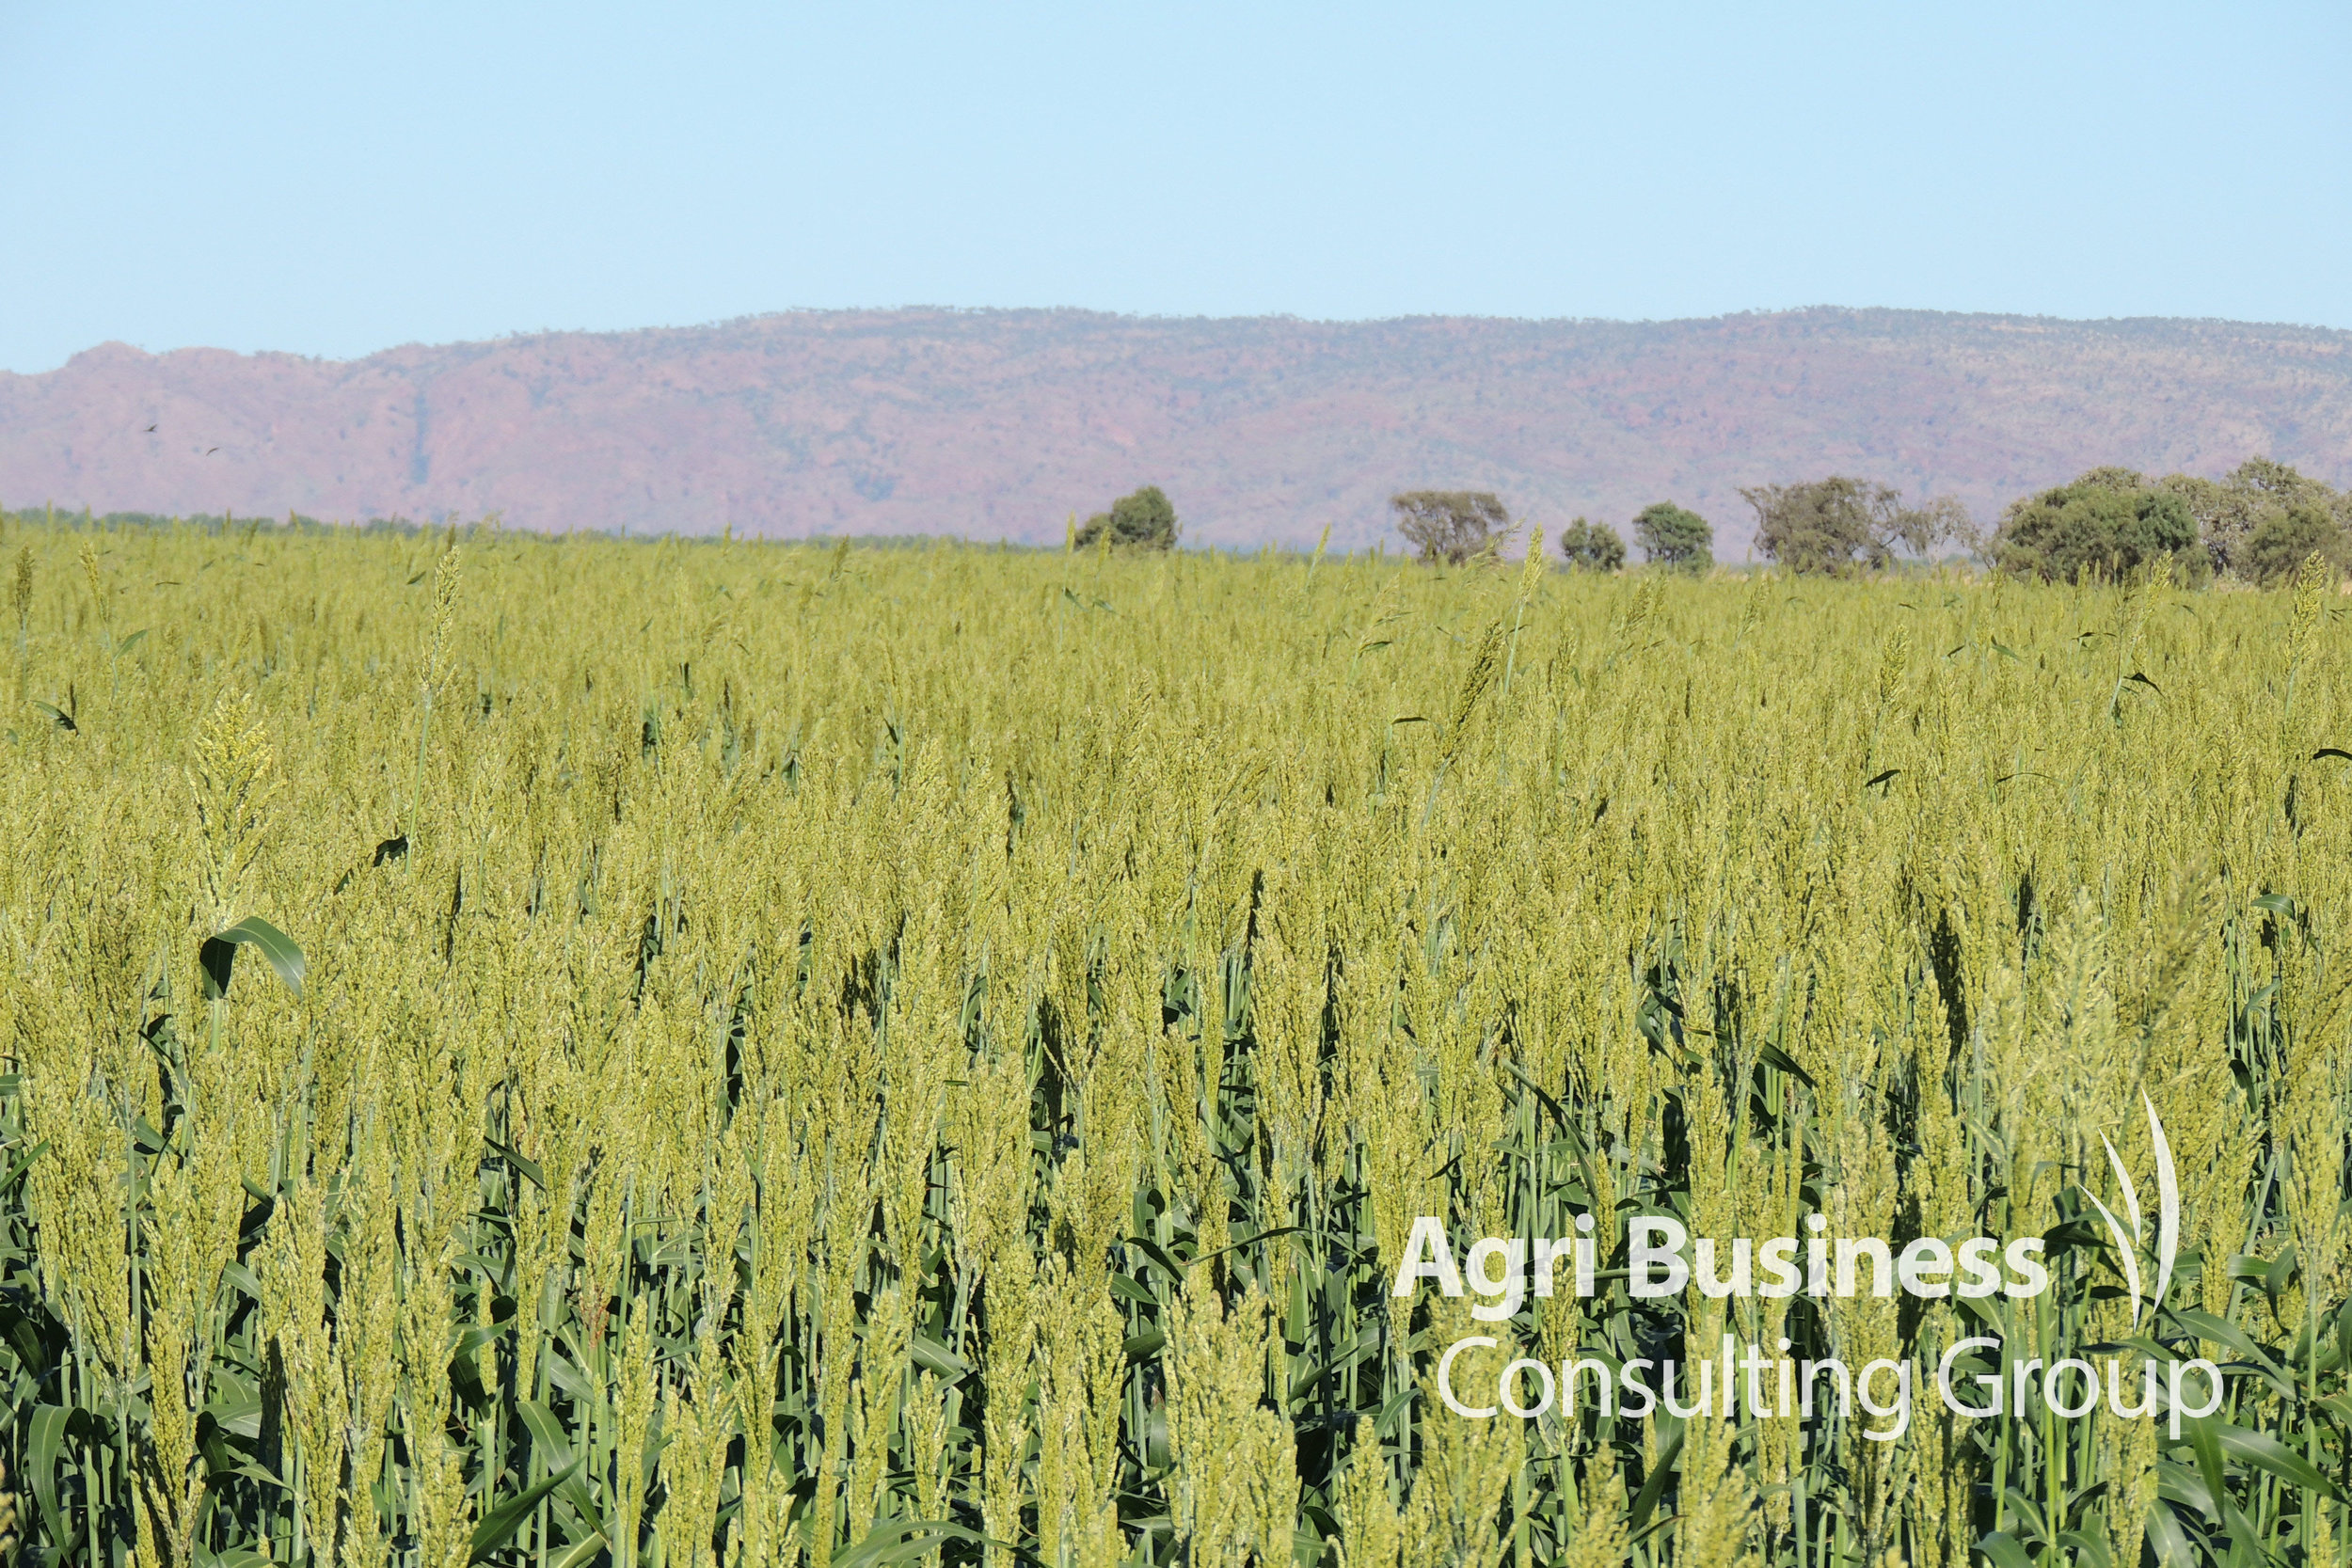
332, 179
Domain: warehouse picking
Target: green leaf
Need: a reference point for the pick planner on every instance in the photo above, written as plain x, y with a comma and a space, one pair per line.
2278, 1275
932, 1355
555, 1448
42, 1451
1158, 1259
2208, 1448
894, 1541
1367, 1345
1390, 1420
1252, 1241
131, 642
570, 1379
2088, 1549
2223, 1331
1663, 1522
2184, 1485
2171, 1543
500, 1522
474, 1336
235, 1409
1773, 1056
2003, 1551
1654, 1487
514, 1158
23, 1164
2028, 1512
232, 1557
546, 1432
2246, 1541
2266, 1452
219, 953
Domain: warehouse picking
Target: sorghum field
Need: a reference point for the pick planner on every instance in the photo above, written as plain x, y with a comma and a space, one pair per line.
559, 1051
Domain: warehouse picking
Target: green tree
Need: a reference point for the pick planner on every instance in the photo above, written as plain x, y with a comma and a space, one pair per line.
1143, 520
1670, 536
2231, 509
1834, 525
1450, 525
1592, 546
2287, 536
2110, 521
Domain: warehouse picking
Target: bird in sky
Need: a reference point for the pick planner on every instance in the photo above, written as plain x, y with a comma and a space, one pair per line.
209, 450
149, 431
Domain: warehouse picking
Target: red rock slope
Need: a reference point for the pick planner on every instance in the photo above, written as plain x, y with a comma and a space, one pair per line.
994, 424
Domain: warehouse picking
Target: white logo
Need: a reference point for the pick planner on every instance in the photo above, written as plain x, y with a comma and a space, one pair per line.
1663, 1260
2167, 1215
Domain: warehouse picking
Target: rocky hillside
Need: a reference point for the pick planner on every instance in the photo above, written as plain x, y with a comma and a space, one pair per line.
998, 424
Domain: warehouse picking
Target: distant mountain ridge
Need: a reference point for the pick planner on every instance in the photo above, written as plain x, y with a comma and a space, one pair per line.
999, 423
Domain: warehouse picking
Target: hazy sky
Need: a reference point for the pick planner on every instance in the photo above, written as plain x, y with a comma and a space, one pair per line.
335, 178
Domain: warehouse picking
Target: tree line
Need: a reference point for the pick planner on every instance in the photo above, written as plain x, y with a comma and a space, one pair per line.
2256, 524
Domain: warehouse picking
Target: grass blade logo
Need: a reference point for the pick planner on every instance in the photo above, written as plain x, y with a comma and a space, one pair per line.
2167, 1215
